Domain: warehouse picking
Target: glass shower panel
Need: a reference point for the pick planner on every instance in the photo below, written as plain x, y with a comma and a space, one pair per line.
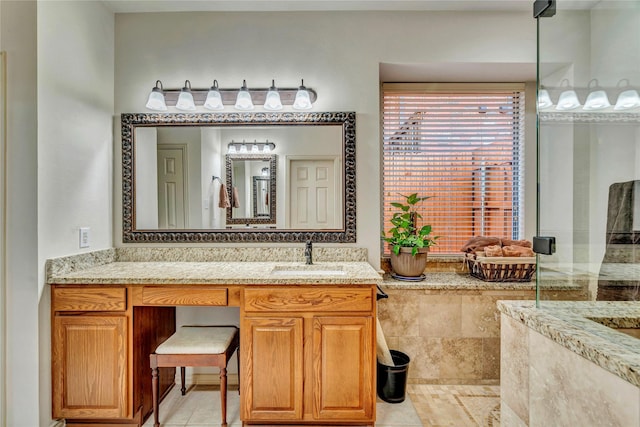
589, 155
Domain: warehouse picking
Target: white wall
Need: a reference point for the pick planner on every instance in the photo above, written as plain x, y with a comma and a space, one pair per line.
337, 53
18, 28
74, 120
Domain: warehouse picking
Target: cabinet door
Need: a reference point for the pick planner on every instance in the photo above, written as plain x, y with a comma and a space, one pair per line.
343, 368
271, 368
89, 364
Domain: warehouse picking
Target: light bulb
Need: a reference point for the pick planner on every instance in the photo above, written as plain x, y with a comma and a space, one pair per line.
243, 100
302, 100
544, 100
627, 100
568, 100
185, 99
214, 99
597, 100
156, 98
272, 102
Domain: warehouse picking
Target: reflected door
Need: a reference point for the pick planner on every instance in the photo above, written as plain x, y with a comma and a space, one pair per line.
171, 187
312, 190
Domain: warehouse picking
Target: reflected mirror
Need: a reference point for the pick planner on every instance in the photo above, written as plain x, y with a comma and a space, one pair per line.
253, 189
177, 168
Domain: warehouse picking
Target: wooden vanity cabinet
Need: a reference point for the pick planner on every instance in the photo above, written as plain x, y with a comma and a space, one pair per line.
98, 375
308, 355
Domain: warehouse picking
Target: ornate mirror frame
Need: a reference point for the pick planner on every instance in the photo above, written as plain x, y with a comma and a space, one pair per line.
347, 234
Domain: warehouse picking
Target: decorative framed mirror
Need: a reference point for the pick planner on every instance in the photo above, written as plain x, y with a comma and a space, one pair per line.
174, 164
252, 180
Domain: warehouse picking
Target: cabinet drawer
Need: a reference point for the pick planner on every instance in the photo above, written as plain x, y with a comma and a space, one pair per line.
160, 295
308, 299
89, 299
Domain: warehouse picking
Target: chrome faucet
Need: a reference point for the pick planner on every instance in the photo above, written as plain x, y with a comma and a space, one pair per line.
308, 249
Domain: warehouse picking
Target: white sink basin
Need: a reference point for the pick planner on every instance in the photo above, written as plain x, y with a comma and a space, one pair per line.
307, 270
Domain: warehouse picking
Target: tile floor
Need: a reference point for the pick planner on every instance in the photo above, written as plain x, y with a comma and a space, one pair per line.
426, 405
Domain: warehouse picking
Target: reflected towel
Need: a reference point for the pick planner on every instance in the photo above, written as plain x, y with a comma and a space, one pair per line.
224, 198
235, 200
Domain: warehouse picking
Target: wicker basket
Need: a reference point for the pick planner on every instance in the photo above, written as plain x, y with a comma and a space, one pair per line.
501, 269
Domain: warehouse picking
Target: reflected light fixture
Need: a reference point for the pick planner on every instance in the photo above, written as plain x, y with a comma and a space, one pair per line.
597, 98
214, 99
156, 98
568, 101
243, 100
185, 99
257, 147
272, 102
303, 100
627, 100
544, 100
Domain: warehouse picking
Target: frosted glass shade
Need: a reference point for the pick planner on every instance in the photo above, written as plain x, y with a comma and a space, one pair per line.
232, 149
302, 101
568, 101
272, 102
214, 100
627, 100
243, 100
185, 101
597, 100
544, 100
243, 149
156, 100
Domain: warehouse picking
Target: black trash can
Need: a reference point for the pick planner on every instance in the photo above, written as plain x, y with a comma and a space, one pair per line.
392, 380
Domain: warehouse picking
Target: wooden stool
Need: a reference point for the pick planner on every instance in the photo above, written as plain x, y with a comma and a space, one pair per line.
195, 346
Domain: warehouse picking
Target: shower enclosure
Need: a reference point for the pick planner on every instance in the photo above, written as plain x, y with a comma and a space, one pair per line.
588, 221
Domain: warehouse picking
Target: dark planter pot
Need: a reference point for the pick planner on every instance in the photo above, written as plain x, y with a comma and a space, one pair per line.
407, 265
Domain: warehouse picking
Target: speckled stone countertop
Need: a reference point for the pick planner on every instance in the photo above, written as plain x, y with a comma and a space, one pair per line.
463, 281
580, 327
255, 273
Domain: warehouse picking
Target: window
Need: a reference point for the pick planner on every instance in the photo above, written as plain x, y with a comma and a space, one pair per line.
463, 145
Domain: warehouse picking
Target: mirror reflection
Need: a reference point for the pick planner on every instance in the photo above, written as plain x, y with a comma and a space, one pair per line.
290, 176
253, 189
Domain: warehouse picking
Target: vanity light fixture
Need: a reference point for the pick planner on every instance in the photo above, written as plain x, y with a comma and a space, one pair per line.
627, 100
303, 99
156, 98
272, 102
544, 100
597, 99
185, 99
214, 98
264, 171
257, 147
568, 100
243, 99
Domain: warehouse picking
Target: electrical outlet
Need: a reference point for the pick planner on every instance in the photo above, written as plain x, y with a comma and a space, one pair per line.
84, 237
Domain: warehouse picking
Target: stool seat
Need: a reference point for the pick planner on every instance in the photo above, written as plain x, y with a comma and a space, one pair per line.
195, 346
198, 340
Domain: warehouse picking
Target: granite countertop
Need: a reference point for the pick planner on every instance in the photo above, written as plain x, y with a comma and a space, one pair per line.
580, 327
176, 272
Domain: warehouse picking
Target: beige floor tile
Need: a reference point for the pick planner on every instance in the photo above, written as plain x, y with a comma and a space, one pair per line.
426, 405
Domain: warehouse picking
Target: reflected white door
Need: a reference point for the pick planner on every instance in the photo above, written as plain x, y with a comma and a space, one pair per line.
313, 194
171, 187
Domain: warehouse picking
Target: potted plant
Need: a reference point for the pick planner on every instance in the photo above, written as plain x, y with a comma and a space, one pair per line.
409, 245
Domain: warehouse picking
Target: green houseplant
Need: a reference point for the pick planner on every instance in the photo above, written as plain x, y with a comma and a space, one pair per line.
409, 245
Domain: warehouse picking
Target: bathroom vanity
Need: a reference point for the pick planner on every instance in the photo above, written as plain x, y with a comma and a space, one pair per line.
307, 352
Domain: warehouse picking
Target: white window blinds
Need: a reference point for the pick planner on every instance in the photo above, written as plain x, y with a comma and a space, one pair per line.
463, 145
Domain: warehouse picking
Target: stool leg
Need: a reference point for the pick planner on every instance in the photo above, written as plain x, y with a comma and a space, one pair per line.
183, 389
223, 394
154, 392
238, 357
